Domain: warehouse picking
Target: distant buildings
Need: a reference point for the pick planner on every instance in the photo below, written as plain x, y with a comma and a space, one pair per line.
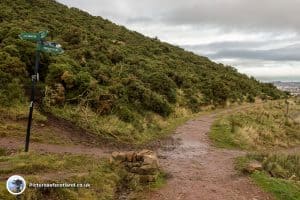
292, 87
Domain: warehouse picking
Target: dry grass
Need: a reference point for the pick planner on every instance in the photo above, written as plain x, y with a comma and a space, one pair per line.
260, 127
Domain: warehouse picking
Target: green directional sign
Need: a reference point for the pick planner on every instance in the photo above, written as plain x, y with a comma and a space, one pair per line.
43, 34
34, 36
50, 49
30, 36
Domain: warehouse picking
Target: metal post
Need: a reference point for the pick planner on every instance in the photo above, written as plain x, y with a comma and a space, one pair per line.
34, 79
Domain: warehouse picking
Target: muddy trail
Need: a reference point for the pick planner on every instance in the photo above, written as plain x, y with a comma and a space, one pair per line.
199, 171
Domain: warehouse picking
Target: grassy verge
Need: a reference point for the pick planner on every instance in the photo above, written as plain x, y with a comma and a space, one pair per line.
13, 124
280, 175
280, 188
264, 126
105, 179
138, 132
151, 127
20, 111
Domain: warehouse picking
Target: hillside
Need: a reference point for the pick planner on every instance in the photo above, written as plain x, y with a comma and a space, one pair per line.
111, 81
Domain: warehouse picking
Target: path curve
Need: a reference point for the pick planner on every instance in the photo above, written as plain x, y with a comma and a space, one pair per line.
199, 171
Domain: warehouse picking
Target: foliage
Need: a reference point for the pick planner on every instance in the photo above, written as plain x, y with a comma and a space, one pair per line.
111, 70
282, 189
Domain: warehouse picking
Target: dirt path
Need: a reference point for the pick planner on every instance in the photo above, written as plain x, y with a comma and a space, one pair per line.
15, 144
200, 171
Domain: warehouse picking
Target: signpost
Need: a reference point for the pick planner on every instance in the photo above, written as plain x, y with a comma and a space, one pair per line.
42, 46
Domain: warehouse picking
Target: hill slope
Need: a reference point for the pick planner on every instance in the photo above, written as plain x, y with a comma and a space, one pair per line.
112, 81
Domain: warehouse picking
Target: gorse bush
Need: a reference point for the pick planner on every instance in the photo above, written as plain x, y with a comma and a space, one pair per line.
162, 84
139, 74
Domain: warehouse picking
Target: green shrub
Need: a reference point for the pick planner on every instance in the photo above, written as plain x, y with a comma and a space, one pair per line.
11, 91
115, 55
56, 72
126, 114
162, 84
157, 104
147, 99
250, 98
72, 36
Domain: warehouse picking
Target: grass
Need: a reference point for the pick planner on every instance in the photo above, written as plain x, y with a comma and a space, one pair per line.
3, 152
143, 130
40, 132
13, 124
13, 121
223, 136
280, 188
152, 127
20, 111
265, 126
35, 163
280, 175
160, 182
105, 179
277, 165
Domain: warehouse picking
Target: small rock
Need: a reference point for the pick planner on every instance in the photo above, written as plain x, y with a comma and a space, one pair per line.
140, 155
149, 158
293, 177
254, 166
118, 157
130, 156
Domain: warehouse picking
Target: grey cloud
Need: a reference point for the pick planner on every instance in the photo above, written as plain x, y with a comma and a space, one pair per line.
196, 22
230, 45
289, 53
231, 14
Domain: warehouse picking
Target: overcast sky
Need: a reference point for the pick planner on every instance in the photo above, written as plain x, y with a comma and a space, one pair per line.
259, 37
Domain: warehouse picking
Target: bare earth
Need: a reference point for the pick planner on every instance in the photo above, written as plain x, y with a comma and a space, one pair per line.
200, 171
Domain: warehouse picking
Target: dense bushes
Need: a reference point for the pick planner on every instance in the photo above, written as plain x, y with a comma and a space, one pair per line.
11, 91
141, 97
163, 85
110, 69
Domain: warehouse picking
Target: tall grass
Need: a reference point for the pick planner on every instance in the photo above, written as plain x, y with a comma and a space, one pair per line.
261, 127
